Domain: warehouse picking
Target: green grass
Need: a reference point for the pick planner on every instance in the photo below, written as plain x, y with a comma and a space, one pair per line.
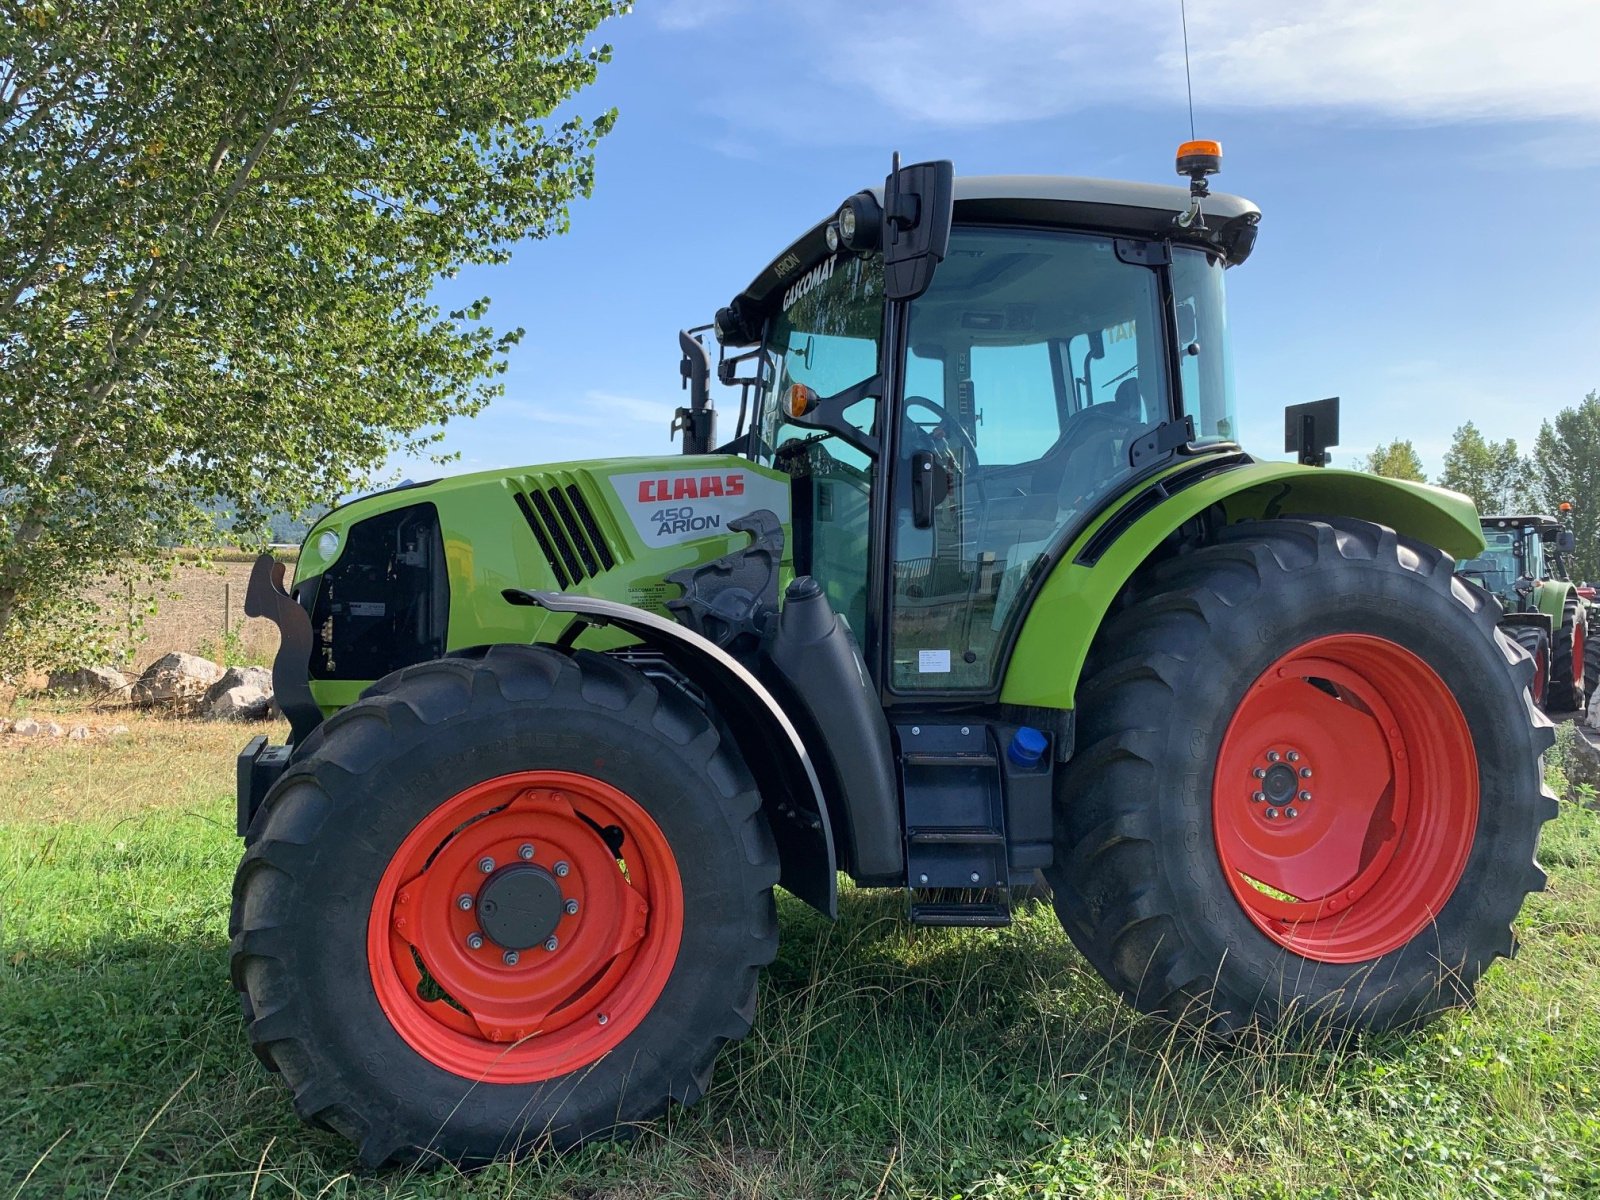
886, 1061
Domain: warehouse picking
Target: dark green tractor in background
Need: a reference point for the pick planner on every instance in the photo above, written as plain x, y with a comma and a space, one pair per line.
1523, 565
981, 586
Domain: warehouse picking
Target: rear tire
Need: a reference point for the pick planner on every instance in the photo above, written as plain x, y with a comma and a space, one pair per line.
1568, 678
355, 962
1537, 644
1151, 830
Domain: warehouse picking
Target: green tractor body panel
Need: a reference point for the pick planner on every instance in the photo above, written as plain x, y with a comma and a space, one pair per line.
1068, 610
610, 528
1551, 598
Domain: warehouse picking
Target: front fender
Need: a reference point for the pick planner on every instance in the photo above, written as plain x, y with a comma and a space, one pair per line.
1551, 597
1054, 641
791, 794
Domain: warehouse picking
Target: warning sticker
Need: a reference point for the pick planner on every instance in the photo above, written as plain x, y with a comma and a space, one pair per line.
668, 507
933, 662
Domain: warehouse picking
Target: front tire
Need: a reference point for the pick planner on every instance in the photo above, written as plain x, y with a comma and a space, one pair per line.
515, 898
1537, 644
1339, 673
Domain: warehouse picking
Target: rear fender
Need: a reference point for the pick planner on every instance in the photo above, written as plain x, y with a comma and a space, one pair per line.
791, 794
1047, 660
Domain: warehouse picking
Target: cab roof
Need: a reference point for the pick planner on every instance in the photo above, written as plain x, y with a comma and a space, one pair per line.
1110, 206
1542, 522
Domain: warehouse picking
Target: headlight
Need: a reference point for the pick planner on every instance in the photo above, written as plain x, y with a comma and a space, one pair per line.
327, 544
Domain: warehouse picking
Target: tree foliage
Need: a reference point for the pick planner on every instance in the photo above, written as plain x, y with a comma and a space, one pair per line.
220, 225
1494, 474
1566, 460
1396, 460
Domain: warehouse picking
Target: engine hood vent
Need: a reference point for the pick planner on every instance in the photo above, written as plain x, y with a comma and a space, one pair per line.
566, 529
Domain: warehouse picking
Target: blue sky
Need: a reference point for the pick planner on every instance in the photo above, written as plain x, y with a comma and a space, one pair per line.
1428, 171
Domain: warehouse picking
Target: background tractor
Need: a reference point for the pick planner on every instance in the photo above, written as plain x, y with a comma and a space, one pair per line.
982, 586
1523, 565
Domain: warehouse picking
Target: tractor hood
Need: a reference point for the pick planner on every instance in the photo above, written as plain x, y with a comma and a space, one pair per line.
417, 571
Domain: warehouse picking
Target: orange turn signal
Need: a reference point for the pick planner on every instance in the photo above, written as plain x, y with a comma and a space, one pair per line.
800, 400
1565, 506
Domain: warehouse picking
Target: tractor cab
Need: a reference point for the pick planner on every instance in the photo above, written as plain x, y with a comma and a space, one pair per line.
1070, 341
1520, 553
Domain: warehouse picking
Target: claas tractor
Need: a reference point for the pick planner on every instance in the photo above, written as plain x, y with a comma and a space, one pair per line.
982, 588
1523, 565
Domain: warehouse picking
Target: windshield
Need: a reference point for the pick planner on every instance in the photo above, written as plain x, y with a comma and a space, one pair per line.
825, 337
1498, 567
1204, 356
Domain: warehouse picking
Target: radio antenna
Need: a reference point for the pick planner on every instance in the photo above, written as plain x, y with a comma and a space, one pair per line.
1188, 83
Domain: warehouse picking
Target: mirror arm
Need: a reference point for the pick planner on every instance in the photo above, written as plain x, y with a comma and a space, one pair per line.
828, 414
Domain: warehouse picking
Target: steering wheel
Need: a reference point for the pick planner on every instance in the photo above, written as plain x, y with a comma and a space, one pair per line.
946, 423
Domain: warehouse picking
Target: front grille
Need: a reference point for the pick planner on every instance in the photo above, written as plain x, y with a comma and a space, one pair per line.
567, 532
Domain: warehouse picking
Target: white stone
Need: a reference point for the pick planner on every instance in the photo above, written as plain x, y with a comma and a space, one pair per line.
78, 732
115, 731
27, 727
94, 681
176, 678
242, 703
51, 728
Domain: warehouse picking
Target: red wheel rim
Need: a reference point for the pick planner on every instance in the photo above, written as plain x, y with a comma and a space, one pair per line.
1345, 798
513, 1012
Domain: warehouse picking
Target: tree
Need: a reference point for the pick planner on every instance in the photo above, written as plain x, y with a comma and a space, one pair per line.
221, 223
1397, 459
1566, 460
1494, 474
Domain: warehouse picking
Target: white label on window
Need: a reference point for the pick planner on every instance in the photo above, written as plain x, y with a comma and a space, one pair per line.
933, 662
366, 608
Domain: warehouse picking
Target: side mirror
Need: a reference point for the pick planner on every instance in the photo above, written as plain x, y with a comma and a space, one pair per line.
918, 206
1309, 429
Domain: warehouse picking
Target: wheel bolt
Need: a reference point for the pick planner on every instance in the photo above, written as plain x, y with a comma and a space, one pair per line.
1305, 796
571, 906
464, 902
1305, 772
1293, 756
1291, 812
1273, 756
562, 869
510, 958
1258, 797
474, 941
551, 943
601, 1018
486, 864
1259, 772
525, 851
1272, 814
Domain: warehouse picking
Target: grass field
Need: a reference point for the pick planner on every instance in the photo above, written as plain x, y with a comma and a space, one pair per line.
886, 1062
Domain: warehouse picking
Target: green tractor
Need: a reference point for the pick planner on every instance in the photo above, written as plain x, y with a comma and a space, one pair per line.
981, 587
1523, 565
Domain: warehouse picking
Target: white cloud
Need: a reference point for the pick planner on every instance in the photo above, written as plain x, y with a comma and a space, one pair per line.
956, 63
692, 14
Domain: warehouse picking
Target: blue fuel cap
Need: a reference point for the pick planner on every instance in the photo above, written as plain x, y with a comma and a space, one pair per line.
1028, 747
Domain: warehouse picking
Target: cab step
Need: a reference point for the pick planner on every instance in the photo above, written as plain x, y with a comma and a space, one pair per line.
948, 907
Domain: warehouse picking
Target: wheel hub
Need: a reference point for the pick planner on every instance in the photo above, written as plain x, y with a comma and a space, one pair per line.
1280, 784
520, 906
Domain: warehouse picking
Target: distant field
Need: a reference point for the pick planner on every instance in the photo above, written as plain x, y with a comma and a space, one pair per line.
886, 1061
195, 610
